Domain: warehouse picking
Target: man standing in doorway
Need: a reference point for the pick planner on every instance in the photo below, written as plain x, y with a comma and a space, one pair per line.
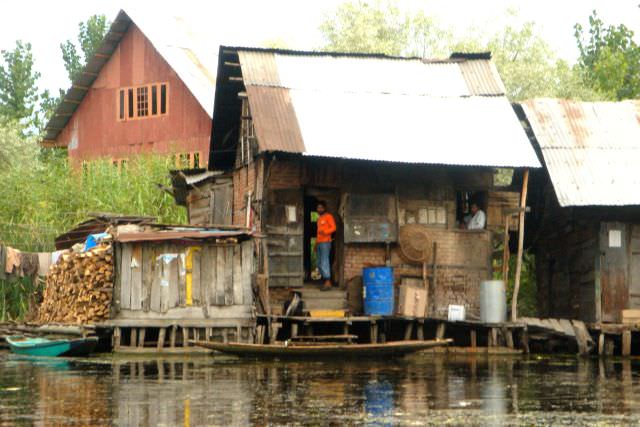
326, 228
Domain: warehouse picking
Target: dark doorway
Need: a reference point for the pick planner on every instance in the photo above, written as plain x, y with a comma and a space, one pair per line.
311, 198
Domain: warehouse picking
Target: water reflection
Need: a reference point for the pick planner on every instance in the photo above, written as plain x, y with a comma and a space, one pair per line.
224, 391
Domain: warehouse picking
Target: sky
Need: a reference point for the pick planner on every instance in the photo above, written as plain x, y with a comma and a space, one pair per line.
46, 24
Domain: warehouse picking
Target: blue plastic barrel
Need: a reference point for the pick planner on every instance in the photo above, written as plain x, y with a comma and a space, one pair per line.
378, 290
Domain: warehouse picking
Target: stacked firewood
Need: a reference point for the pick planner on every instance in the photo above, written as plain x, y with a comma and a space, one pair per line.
79, 287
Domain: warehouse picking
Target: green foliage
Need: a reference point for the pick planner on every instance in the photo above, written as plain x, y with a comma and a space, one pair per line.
609, 59
527, 64
42, 199
361, 26
528, 293
15, 148
90, 36
18, 88
44, 196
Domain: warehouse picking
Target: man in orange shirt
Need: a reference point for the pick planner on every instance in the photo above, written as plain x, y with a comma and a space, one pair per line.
326, 228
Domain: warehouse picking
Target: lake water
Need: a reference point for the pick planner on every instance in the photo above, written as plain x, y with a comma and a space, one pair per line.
417, 390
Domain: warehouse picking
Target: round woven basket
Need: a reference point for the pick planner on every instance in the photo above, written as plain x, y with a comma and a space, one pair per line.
415, 243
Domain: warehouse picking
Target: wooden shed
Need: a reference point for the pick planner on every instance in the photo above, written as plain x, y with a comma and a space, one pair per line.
586, 206
182, 283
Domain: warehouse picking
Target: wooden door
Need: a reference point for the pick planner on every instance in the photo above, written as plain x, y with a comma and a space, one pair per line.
221, 202
634, 267
613, 270
284, 229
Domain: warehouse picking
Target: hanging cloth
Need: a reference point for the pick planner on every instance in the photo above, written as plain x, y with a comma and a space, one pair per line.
12, 265
28, 264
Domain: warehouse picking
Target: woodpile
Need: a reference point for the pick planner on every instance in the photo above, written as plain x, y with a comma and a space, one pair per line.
79, 287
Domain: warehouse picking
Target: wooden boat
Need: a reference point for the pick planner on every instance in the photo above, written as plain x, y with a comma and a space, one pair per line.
39, 346
310, 350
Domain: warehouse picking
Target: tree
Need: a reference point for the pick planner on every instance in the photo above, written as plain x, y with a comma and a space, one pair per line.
361, 26
18, 89
90, 36
15, 148
609, 58
527, 64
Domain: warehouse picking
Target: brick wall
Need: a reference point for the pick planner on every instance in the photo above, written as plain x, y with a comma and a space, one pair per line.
244, 180
463, 261
284, 174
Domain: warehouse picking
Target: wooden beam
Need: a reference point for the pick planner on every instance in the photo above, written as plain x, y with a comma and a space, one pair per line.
85, 88
231, 64
236, 79
505, 251
101, 55
516, 286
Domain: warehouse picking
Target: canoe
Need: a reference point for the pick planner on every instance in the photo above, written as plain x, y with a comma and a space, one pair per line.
392, 348
51, 347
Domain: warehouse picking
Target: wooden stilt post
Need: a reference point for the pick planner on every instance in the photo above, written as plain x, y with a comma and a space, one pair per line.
141, 337
523, 205
626, 342
473, 337
408, 331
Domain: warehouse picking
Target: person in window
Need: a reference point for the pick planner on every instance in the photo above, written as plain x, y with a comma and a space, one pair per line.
476, 220
326, 228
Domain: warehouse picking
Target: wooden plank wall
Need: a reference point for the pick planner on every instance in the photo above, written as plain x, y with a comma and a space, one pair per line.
152, 277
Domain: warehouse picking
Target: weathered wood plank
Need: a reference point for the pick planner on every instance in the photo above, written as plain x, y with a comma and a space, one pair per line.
247, 272
219, 283
136, 277
196, 280
228, 275
148, 266
182, 278
125, 279
115, 307
156, 290
174, 280
237, 274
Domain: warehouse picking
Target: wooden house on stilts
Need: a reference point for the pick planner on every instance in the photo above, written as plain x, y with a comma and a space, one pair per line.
395, 146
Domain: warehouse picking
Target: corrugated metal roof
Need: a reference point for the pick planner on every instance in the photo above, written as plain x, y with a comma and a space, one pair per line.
591, 149
193, 60
386, 109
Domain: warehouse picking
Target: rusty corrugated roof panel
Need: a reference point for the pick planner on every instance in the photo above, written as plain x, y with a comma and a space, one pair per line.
482, 77
274, 119
259, 68
591, 149
382, 108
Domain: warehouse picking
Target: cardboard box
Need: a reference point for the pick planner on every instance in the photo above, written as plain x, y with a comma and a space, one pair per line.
412, 298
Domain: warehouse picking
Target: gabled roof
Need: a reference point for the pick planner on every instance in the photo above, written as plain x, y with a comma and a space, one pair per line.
373, 107
193, 60
590, 149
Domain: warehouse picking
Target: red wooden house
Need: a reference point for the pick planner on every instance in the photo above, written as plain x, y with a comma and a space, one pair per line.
147, 89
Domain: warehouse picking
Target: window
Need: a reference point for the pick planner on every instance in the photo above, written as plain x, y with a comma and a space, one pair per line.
163, 99
119, 164
188, 160
130, 98
142, 97
142, 101
464, 200
154, 100
121, 105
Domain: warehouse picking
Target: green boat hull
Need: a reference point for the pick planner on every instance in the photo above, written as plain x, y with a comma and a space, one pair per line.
51, 348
